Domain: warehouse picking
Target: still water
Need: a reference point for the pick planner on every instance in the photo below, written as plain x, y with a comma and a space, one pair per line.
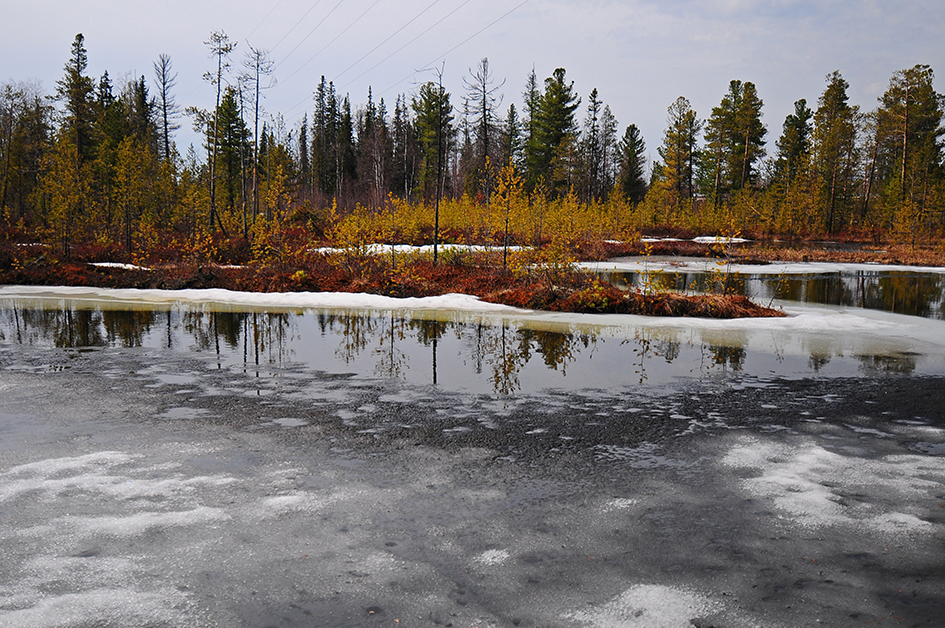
491, 353
911, 292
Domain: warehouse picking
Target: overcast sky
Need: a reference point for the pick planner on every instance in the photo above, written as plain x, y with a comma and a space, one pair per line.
640, 55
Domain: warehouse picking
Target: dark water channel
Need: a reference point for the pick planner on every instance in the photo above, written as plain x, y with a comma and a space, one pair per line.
899, 292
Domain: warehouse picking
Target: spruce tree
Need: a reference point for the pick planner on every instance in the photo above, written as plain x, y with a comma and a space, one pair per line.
632, 178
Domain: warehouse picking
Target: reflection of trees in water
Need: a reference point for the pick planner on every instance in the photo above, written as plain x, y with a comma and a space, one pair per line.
271, 334
71, 328
650, 345
728, 356
228, 326
392, 361
901, 293
509, 351
818, 361
264, 336
127, 327
66, 328
911, 294
507, 358
903, 363
355, 330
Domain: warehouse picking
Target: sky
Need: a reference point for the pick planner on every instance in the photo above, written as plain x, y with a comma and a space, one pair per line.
640, 55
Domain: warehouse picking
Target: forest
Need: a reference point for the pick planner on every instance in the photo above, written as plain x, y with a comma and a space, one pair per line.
92, 170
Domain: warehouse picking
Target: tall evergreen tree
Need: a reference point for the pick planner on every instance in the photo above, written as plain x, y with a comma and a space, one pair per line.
795, 141
735, 141
435, 131
632, 177
26, 128
909, 121
405, 149
220, 49
592, 149
75, 91
834, 150
680, 150
513, 138
552, 124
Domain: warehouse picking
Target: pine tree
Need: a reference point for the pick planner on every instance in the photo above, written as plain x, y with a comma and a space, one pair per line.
680, 151
435, 130
25, 130
835, 151
734, 138
220, 48
910, 132
552, 124
592, 149
632, 178
795, 141
75, 90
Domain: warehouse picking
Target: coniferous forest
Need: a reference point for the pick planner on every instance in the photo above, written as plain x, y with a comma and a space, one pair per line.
92, 170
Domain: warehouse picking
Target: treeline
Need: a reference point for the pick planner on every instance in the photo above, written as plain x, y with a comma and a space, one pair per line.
97, 163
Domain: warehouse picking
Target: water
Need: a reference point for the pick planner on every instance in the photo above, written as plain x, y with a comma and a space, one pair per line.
911, 292
500, 354
195, 458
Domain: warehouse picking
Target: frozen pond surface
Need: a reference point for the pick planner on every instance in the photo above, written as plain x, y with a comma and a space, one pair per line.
279, 460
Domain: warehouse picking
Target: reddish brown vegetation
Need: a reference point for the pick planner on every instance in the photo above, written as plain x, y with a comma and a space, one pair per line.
481, 275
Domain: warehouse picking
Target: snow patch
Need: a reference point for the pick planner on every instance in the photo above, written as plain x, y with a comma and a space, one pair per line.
132, 525
818, 488
493, 557
329, 300
648, 606
619, 503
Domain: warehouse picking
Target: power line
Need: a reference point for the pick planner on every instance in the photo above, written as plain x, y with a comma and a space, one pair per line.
310, 9
412, 20
325, 47
266, 18
480, 31
311, 31
435, 24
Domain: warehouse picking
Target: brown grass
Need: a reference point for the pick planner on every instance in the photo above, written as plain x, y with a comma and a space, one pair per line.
481, 275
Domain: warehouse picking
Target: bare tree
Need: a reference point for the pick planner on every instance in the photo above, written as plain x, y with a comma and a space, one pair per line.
481, 94
257, 64
168, 111
220, 48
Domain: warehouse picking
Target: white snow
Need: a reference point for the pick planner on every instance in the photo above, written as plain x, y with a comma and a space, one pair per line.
814, 487
386, 249
493, 557
113, 606
648, 606
130, 525
118, 265
461, 302
719, 240
619, 503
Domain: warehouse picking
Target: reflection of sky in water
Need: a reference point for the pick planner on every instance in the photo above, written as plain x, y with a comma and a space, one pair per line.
482, 353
